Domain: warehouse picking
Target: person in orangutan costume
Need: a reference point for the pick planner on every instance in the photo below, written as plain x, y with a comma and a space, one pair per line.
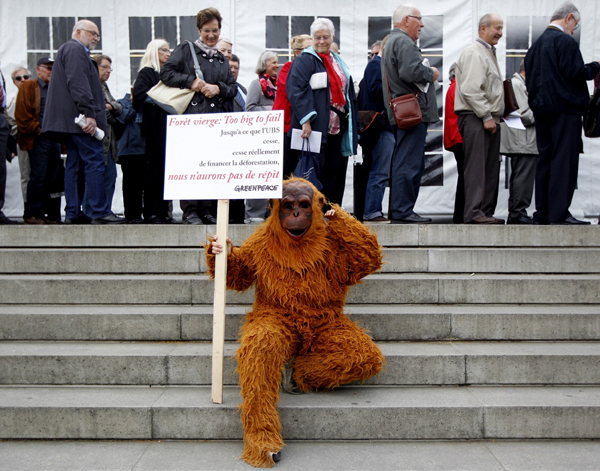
302, 263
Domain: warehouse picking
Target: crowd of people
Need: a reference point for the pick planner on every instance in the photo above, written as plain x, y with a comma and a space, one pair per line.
316, 92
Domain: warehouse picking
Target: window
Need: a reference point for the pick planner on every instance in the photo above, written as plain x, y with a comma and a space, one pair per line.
281, 30
45, 35
431, 43
143, 29
521, 33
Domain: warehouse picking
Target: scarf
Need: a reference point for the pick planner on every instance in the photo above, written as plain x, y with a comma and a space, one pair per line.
267, 83
337, 95
210, 51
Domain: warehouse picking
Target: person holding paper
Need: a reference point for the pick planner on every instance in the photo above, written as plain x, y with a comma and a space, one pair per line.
215, 90
520, 146
154, 119
322, 98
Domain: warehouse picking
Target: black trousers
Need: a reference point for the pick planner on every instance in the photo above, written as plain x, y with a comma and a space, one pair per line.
46, 175
333, 169
459, 201
559, 144
154, 189
134, 169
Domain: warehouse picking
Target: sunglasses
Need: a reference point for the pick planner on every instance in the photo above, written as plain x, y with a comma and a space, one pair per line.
22, 77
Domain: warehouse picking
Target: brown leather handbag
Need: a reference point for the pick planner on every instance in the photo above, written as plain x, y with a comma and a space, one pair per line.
510, 99
406, 109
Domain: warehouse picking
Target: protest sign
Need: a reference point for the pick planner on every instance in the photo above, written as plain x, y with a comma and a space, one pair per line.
224, 156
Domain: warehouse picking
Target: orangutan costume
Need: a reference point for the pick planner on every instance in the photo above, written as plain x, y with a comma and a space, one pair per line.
302, 265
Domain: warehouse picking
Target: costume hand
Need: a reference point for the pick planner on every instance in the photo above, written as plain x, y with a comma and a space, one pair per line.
209, 90
490, 126
197, 84
216, 248
329, 214
90, 126
306, 129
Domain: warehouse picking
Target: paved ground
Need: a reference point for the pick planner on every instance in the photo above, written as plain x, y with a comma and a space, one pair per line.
328, 456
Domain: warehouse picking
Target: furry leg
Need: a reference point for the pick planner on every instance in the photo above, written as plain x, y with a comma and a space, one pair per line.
341, 353
266, 344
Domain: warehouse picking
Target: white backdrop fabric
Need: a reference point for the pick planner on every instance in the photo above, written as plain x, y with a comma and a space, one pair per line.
244, 23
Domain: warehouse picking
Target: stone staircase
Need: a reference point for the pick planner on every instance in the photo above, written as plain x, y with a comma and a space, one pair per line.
489, 333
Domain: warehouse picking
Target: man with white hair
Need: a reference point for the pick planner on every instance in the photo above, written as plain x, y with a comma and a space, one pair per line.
76, 90
479, 104
404, 71
558, 97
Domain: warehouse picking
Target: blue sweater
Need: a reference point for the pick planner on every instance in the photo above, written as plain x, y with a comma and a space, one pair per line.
556, 74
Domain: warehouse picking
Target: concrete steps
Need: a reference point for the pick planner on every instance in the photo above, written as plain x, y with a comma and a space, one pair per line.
302, 455
376, 289
408, 363
192, 260
384, 322
349, 413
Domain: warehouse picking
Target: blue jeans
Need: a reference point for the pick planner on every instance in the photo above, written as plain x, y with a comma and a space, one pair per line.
110, 180
84, 171
379, 174
408, 163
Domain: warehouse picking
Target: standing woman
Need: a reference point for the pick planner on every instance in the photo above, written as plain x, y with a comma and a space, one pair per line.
154, 120
298, 44
261, 96
322, 97
214, 94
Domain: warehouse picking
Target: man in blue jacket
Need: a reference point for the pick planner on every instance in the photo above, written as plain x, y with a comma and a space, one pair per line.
76, 89
558, 97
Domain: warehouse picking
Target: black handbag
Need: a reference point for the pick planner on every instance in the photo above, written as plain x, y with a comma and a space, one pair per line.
591, 123
308, 166
510, 99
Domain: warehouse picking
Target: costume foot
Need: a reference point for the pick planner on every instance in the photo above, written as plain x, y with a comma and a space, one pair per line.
287, 382
276, 456
259, 457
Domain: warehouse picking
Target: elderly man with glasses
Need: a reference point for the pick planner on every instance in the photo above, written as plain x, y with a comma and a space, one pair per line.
558, 97
76, 90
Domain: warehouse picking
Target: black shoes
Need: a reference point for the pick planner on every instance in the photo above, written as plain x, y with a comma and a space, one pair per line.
571, 221
6, 221
192, 219
110, 218
208, 219
414, 218
82, 219
520, 220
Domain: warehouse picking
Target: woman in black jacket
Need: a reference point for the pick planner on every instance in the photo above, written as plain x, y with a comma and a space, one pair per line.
214, 93
154, 120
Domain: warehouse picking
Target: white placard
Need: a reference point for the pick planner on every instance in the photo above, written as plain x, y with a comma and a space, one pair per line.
224, 156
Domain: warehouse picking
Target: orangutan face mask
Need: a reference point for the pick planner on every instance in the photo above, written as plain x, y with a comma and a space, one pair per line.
295, 213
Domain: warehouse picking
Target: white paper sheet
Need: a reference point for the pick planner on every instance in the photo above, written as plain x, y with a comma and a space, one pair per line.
314, 141
513, 120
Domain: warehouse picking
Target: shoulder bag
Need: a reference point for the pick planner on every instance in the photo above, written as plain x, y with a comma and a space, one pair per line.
175, 100
308, 166
591, 123
510, 99
406, 108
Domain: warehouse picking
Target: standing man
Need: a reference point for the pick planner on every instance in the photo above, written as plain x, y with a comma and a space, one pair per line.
403, 70
239, 103
76, 90
5, 151
44, 154
479, 104
371, 98
520, 146
558, 97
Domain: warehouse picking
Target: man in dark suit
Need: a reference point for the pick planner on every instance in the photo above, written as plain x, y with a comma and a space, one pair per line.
239, 103
558, 97
75, 90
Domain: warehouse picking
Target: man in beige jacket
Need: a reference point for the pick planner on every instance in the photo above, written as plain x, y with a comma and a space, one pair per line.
479, 104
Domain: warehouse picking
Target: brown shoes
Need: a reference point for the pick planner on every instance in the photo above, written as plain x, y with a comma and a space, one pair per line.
33, 220
486, 220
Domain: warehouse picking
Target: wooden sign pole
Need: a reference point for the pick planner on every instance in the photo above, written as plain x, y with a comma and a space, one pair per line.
218, 340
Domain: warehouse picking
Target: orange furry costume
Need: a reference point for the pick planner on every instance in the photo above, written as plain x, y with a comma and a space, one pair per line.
301, 287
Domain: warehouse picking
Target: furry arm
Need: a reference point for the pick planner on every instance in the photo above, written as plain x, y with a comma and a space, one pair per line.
239, 274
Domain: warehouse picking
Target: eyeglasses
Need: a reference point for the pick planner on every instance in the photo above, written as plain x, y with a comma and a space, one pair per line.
164, 49
208, 31
22, 77
44, 66
106, 67
415, 17
93, 33
576, 24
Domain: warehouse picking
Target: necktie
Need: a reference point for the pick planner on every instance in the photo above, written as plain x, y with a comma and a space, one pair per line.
240, 98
